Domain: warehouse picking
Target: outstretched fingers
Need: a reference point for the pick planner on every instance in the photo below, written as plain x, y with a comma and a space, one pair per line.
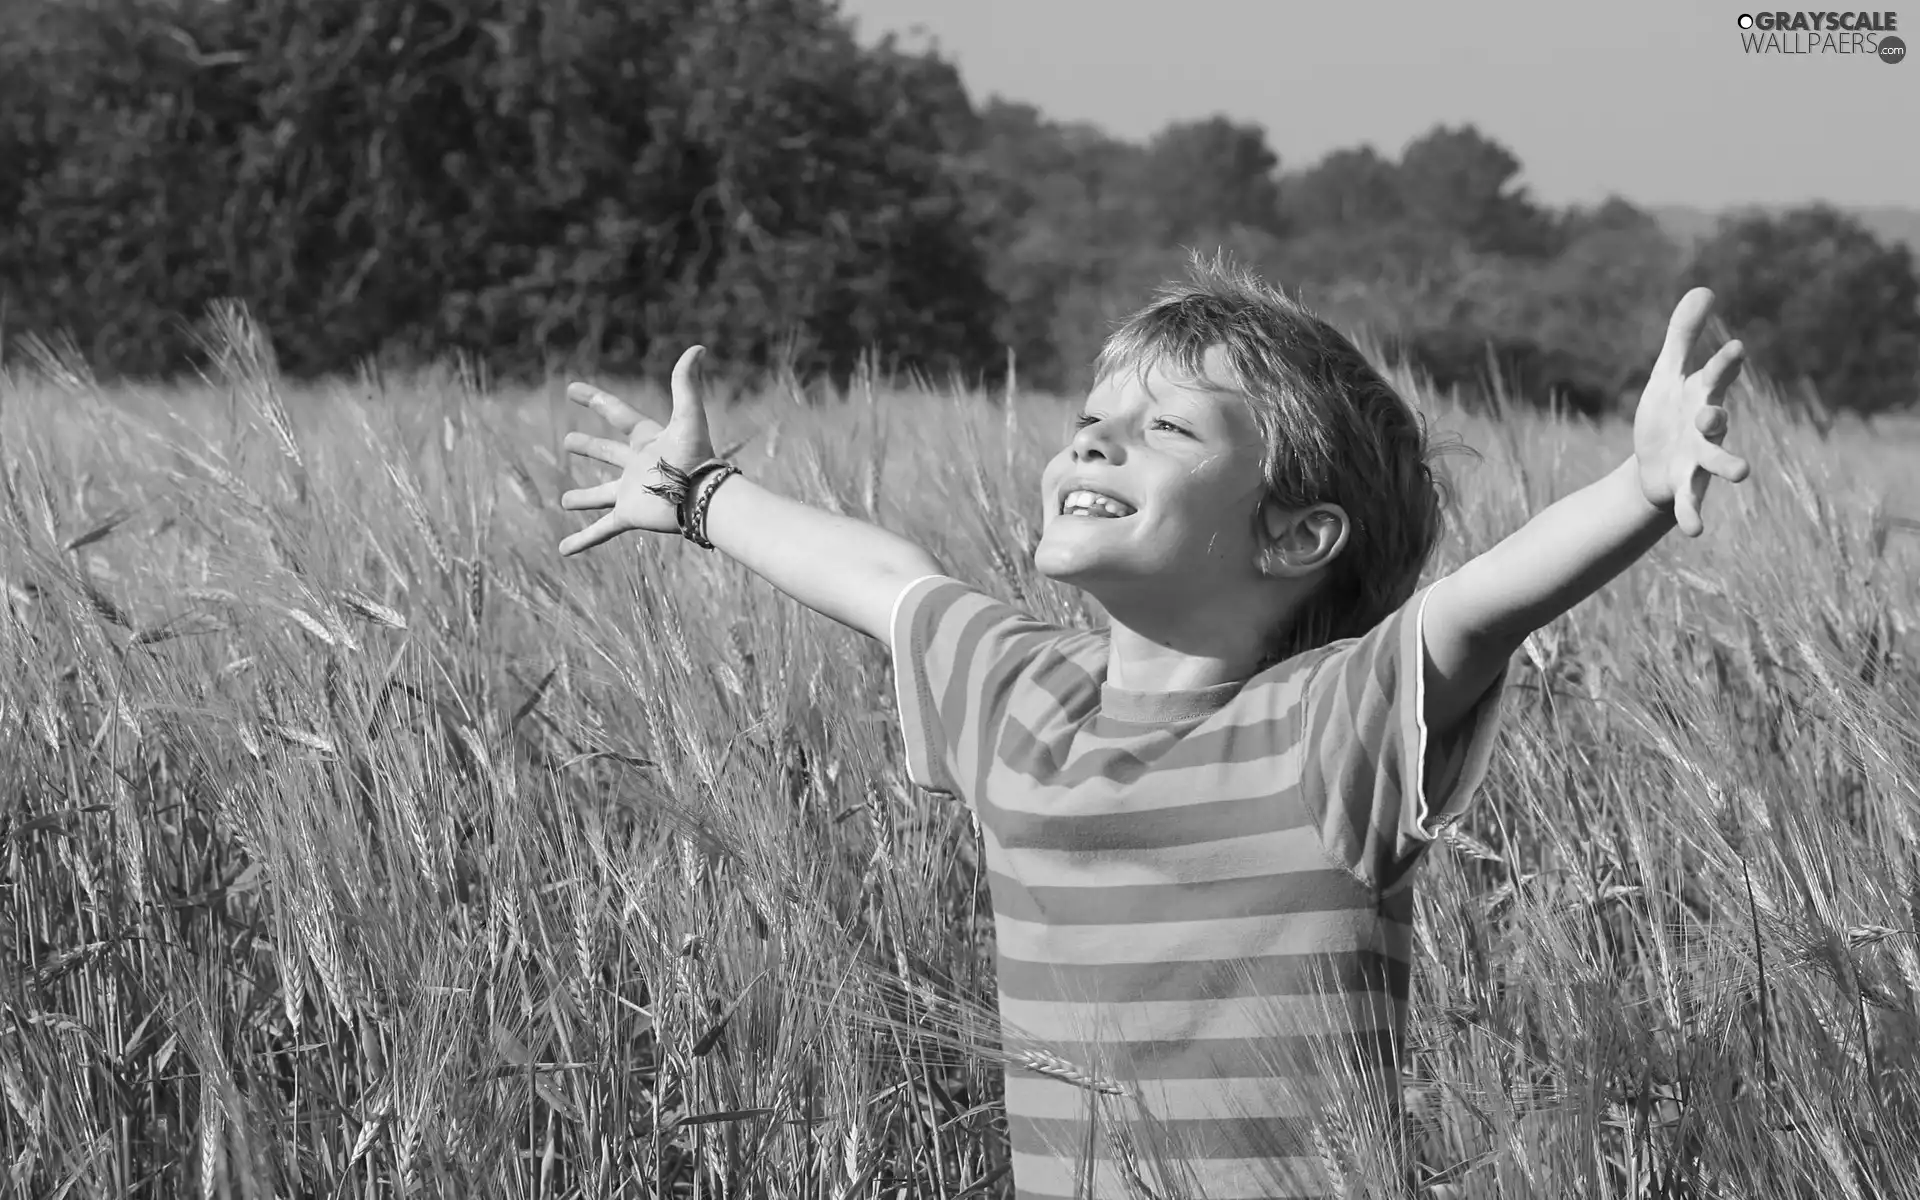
605, 495
1683, 329
1689, 493
607, 450
1724, 463
1710, 460
1712, 421
1721, 370
605, 529
617, 412
689, 398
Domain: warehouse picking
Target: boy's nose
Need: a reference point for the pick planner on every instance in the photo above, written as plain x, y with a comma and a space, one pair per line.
1093, 442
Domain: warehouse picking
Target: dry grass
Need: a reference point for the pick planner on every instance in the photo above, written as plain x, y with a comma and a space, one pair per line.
357, 846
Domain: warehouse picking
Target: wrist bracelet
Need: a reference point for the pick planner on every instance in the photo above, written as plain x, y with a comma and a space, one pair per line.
693, 512
689, 483
704, 501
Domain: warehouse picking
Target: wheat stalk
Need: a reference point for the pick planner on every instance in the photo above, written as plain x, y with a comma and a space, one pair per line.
1046, 1062
312, 625
416, 508
372, 610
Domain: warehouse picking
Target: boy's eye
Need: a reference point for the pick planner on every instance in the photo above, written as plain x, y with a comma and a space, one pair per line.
1086, 419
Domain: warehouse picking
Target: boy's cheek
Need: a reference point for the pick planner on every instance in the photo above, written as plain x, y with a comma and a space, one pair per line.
1049, 480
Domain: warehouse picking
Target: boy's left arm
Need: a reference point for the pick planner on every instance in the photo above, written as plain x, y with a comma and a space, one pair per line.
1478, 616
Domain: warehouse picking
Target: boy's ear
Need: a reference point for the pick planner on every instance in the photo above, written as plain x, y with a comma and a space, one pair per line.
1301, 541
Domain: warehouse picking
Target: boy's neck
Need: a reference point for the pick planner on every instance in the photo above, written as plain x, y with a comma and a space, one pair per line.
1196, 649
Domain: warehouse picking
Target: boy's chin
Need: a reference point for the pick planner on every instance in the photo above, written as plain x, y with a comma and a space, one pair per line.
1075, 569
1059, 568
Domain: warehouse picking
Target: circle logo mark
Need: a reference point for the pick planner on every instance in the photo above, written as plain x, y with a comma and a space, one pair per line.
1892, 50
1746, 20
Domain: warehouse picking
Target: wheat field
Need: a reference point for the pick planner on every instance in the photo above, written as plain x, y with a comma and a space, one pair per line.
356, 845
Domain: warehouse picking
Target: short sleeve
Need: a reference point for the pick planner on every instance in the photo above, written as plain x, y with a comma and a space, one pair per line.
1381, 787
958, 655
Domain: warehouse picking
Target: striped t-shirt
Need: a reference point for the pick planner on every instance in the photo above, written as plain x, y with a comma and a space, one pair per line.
1191, 890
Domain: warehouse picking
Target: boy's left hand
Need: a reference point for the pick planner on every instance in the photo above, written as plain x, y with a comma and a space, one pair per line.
1678, 426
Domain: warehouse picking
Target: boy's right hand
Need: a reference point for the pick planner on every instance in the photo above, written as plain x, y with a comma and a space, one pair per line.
683, 443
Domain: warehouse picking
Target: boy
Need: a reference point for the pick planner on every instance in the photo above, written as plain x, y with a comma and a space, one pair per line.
1201, 822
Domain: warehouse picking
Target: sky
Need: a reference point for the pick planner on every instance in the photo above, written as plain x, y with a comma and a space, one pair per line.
1653, 100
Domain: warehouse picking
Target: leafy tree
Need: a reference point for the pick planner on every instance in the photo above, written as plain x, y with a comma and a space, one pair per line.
1612, 215
1820, 300
1061, 210
1348, 189
1461, 181
522, 180
1211, 175
1601, 303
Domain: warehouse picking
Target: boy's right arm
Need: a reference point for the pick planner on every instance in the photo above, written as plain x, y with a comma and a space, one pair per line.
837, 566
840, 567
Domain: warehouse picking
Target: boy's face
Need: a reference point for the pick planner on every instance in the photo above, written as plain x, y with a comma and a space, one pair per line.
1157, 490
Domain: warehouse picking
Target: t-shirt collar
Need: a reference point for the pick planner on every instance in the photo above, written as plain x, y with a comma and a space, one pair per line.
1125, 704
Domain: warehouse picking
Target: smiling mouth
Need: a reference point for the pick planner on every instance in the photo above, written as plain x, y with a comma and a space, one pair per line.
1085, 503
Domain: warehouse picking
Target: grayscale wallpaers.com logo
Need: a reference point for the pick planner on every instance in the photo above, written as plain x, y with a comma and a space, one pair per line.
1868, 34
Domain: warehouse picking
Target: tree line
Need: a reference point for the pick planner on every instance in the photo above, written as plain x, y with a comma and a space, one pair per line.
595, 184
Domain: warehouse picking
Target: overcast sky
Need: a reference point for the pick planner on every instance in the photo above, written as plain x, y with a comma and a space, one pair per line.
1653, 99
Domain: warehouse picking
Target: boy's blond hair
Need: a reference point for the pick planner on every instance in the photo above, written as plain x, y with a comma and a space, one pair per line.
1335, 431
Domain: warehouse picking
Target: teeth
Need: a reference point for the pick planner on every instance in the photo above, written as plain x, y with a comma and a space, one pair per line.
1085, 503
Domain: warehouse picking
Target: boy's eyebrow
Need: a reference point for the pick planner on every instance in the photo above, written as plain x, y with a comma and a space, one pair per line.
1183, 404
1191, 406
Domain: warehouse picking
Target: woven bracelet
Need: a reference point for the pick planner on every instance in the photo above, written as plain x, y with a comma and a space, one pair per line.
692, 509
688, 482
705, 502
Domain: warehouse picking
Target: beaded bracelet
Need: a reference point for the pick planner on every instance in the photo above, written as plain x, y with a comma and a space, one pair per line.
706, 480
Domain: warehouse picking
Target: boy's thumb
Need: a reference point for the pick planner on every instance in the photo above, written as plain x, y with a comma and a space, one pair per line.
689, 405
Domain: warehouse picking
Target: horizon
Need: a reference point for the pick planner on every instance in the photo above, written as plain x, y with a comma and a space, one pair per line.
1578, 135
